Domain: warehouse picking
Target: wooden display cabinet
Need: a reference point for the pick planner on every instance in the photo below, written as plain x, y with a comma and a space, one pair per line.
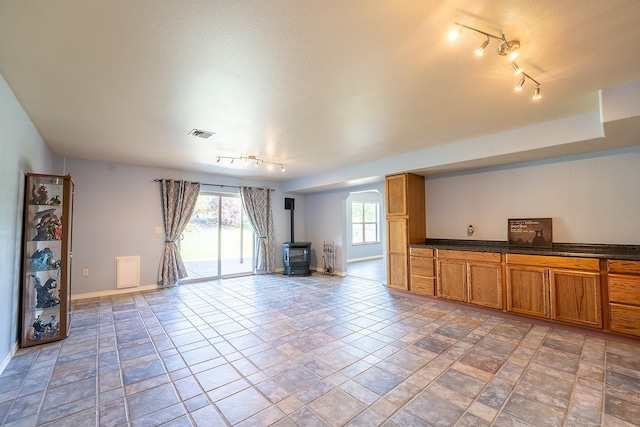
46, 263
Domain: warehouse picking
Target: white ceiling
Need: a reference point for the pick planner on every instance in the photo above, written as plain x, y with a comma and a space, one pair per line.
316, 85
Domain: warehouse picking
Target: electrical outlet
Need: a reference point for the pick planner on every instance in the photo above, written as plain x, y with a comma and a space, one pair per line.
85, 272
158, 230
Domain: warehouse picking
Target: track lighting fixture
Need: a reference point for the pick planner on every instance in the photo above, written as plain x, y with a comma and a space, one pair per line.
508, 48
255, 159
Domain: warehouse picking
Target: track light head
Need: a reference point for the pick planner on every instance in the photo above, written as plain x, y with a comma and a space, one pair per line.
536, 93
480, 51
516, 70
455, 33
519, 86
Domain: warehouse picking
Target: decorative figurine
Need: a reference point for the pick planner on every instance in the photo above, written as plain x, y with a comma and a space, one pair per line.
46, 295
44, 259
39, 197
48, 225
55, 201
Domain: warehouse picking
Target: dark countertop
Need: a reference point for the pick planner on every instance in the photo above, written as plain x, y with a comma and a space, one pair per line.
623, 252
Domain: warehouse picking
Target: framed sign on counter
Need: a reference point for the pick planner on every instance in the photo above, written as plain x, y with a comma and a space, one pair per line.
530, 232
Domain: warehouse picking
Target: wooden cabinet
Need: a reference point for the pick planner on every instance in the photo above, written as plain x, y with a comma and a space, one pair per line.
624, 296
558, 288
422, 271
406, 224
474, 277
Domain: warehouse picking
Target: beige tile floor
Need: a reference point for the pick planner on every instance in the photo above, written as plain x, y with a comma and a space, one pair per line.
314, 351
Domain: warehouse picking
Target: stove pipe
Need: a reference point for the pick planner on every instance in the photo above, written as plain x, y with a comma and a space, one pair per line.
289, 204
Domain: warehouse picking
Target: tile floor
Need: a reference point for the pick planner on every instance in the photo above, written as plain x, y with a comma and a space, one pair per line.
373, 269
314, 351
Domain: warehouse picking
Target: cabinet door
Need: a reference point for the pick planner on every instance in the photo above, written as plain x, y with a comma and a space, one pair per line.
576, 297
452, 279
528, 291
397, 254
396, 187
625, 319
485, 284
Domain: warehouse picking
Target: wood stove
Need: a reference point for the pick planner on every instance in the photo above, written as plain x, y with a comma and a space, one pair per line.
296, 255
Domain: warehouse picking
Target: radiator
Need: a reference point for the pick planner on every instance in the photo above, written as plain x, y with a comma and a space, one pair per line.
127, 271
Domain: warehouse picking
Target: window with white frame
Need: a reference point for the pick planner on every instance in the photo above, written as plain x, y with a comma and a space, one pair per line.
365, 222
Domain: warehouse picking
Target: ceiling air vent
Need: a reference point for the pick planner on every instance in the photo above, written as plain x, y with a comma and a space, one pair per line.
200, 133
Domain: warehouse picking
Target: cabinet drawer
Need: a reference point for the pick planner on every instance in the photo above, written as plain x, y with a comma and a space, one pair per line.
422, 266
623, 267
427, 252
625, 319
469, 255
423, 285
589, 264
624, 289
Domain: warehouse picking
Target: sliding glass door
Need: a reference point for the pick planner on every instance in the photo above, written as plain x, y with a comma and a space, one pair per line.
218, 241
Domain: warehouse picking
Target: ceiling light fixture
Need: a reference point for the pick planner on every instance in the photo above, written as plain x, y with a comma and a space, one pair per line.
509, 48
255, 159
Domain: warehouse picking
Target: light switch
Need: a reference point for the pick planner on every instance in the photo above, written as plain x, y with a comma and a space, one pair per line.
85, 272
158, 230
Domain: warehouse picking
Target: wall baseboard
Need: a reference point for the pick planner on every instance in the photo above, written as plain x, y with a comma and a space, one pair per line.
99, 294
367, 258
7, 358
321, 271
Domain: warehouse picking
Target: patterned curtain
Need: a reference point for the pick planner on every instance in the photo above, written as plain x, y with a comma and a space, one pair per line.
178, 201
257, 205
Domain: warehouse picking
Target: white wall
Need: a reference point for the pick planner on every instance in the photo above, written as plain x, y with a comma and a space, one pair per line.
117, 208
325, 221
22, 150
593, 198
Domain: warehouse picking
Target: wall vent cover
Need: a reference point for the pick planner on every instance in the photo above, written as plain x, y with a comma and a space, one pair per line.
200, 133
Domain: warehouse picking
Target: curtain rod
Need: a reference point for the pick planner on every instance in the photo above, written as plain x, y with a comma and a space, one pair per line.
222, 185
